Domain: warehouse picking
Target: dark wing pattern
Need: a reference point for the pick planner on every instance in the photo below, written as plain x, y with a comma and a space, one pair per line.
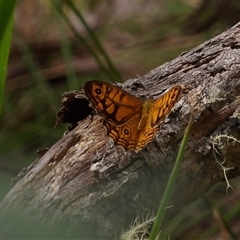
126, 135
113, 103
164, 104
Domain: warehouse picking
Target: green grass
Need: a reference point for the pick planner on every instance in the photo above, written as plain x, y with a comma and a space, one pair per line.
6, 24
167, 193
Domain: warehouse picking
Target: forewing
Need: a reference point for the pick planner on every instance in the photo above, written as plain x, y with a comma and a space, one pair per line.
113, 103
163, 105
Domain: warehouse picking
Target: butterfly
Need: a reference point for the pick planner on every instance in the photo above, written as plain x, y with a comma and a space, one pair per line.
131, 122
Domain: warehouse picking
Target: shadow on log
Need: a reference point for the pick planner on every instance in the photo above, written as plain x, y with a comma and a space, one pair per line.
85, 186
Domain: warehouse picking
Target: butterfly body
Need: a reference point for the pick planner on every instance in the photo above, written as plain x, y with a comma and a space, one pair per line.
131, 122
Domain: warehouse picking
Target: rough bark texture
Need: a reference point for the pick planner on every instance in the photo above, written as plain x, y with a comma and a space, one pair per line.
86, 184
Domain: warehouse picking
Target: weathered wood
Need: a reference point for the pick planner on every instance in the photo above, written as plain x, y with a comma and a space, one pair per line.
86, 184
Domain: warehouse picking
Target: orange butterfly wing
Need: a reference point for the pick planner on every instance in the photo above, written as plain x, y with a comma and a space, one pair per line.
156, 111
164, 104
129, 121
113, 103
126, 135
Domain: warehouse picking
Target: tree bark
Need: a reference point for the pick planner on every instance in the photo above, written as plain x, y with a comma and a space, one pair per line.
85, 185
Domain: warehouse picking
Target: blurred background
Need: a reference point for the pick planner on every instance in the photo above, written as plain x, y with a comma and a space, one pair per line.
59, 45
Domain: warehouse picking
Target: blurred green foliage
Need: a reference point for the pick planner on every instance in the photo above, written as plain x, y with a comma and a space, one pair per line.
6, 23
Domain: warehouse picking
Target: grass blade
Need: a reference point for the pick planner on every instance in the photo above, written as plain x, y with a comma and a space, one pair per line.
6, 23
110, 74
171, 181
95, 41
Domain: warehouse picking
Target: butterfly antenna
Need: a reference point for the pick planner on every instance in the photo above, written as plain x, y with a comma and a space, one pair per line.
141, 81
